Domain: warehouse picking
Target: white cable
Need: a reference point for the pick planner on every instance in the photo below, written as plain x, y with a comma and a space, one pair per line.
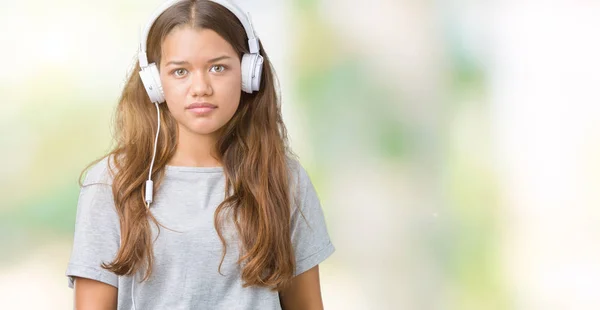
149, 189
132, 295
155, 140
149, 183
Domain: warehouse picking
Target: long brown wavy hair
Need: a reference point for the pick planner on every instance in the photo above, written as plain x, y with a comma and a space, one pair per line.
252, 147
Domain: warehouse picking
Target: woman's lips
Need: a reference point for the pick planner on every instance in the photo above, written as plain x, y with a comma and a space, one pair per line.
202, 110
201, 107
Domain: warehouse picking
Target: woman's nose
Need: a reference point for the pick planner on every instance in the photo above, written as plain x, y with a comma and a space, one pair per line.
201, 84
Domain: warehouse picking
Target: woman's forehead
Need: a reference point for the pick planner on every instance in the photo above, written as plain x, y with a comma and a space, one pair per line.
186, 43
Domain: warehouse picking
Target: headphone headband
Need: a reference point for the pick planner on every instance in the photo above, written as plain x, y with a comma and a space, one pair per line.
244, 18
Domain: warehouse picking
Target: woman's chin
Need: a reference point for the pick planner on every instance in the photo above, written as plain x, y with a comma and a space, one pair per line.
199, 129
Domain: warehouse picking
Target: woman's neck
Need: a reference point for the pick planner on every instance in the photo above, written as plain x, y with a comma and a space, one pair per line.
195, 150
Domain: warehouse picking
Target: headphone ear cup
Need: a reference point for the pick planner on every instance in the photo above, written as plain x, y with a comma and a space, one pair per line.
258, 68
247, 71
151, 79
251, 72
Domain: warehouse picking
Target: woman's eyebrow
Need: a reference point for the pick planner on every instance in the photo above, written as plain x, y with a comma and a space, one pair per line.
219, 58
176, 62
183, 62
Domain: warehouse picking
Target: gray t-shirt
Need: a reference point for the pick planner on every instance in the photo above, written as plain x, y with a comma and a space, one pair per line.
185, 274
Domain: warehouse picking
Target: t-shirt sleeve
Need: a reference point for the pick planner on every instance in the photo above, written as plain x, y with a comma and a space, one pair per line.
310, 238
97, 232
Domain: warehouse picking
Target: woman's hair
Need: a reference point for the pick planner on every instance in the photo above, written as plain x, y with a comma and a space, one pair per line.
252, 148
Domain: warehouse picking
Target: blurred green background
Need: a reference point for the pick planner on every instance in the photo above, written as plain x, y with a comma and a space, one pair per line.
455, 145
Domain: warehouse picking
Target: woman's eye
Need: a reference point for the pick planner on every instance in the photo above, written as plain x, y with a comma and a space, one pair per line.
179, 72
218, 68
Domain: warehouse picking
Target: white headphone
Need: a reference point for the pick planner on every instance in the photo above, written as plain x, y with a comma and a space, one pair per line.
252, 63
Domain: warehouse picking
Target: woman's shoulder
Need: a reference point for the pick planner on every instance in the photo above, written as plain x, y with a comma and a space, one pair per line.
298, 177
296, 171
102, 172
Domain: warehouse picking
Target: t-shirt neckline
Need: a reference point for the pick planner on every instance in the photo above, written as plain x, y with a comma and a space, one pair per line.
193, 169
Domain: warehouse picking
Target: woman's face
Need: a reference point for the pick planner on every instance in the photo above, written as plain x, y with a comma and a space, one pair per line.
201, 78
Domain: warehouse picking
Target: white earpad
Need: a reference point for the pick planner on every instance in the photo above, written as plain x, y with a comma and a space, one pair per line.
247, 70
258, 68
151, 80
251, 72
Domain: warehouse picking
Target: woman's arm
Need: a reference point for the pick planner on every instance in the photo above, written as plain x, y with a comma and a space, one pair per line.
94, 295
304, 293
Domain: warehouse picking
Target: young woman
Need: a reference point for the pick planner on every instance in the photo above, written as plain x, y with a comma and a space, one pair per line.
201, 204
